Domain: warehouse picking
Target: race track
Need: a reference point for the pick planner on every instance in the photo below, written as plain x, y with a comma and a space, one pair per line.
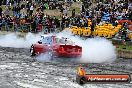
19, 70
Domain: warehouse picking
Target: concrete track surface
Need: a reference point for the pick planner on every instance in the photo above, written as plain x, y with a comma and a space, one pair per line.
19, 70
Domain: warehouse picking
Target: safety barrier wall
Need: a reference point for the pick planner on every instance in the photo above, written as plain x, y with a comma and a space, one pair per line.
124, 54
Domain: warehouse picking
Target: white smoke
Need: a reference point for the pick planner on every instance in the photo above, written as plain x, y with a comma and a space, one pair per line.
44, 57
94, 50
13, 40
19, 40
98, 50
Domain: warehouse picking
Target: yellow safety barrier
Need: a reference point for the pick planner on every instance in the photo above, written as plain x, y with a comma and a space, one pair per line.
75, 32
74, 27
106, 30
105, 34
80, 31
86, 32
130, 36
89, 22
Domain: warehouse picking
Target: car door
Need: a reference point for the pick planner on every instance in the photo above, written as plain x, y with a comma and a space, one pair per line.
47, 43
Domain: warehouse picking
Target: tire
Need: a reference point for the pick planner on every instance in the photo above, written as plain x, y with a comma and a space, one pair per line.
32, 51
80, 80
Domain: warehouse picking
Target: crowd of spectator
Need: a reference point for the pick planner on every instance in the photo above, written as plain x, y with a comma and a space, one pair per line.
108, 11
29, 14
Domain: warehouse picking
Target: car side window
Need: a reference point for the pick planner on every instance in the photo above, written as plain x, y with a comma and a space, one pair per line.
59, 41
47, 40
64, 41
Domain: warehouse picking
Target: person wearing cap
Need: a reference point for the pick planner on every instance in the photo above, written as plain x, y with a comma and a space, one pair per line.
81, 71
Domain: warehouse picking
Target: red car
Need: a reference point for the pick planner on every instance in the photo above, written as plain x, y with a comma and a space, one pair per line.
56, 47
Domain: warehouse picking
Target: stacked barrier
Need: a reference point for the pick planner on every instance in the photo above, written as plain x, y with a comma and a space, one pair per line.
81, 31
130, 36
106, 30
89, 23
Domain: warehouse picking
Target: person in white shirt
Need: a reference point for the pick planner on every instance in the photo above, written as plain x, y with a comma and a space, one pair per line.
31, 10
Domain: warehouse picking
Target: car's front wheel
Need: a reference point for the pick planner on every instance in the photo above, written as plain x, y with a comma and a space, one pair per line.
32, 51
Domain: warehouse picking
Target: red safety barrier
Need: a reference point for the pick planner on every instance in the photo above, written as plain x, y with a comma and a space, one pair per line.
123, 21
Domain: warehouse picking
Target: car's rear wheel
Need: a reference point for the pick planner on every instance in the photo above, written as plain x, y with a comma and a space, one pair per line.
32, 51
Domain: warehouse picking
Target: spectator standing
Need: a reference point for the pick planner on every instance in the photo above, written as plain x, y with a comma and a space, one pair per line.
1, 11
65, 11
93, 24
31, 10
34, 25
7, 2
82, 8
0, 2
0, 22
73, 13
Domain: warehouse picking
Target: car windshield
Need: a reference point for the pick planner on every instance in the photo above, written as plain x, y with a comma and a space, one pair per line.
64, 41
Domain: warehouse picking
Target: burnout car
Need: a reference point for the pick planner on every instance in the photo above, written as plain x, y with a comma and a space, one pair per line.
56, 47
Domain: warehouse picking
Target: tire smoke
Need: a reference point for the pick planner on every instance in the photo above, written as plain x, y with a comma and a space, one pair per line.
18, 41
94, 50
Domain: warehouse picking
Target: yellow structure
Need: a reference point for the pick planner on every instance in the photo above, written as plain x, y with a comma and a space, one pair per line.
85, 31
130, 36
89, 23
106, 30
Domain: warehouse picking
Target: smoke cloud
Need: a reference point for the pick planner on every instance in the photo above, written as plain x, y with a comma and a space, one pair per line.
19, 40
94, 50
14, 40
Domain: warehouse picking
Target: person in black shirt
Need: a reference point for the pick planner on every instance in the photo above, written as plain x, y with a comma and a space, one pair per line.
34, 26
87, 12
0, 11
0, 22
73, 13
1, 2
